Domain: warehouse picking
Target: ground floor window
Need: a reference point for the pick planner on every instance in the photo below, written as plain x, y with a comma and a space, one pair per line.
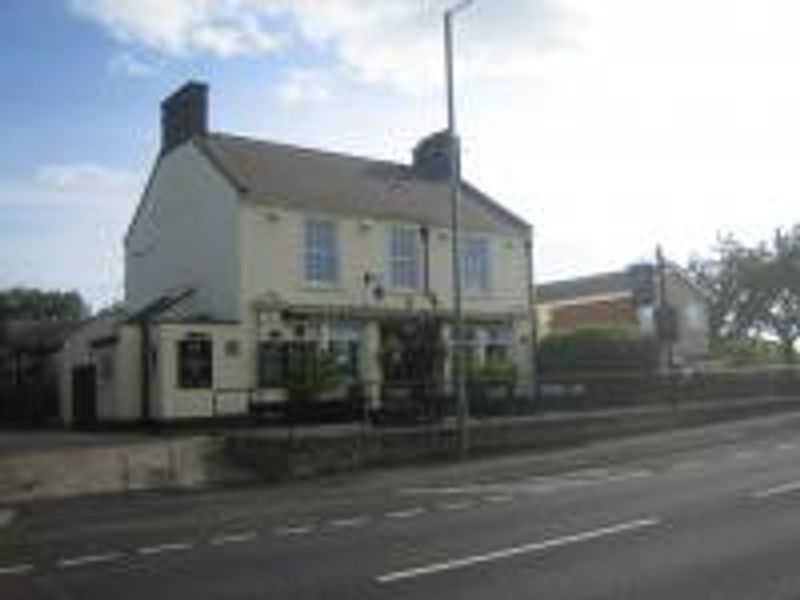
277, 359
195, 363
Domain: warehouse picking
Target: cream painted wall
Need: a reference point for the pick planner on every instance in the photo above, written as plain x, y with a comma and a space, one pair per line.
117, 391
272, 244
185, 236
170, 401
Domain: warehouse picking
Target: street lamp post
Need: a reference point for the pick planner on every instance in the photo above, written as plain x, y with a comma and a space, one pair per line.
454, 153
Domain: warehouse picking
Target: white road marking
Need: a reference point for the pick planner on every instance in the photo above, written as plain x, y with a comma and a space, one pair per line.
786, 446
294, 530
406, 513
350, 522
88, 559
16, 569
162, 548
475, 559
745, 454
455, 505
778, 489
499, 498
234, 538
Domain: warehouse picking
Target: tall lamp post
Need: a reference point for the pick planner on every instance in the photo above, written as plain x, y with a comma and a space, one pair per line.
454, 153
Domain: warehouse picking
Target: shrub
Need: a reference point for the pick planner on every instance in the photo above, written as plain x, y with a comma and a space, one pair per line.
597, 348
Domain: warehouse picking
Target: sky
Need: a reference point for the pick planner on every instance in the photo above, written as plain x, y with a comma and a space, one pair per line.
611, 126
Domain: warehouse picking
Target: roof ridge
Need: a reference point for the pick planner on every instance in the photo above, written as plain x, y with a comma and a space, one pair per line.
302, 148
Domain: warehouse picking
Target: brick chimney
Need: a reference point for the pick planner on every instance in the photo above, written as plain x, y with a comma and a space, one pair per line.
184, 114
432, 155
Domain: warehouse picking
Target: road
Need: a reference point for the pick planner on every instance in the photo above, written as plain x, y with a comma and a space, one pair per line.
705, 513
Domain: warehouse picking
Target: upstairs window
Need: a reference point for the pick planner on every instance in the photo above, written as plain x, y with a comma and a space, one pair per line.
476, 266
321, 260
403, 257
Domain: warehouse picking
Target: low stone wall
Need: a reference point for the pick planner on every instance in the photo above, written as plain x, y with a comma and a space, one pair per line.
175, 463
303, 456
273, 455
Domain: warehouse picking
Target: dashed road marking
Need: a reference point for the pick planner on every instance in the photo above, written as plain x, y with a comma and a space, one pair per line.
744, 454
234, 538
162, 548
453, 506
16, 569
786, 446
785, 488
405, 513
498, 498
291, 530
349, 522
88, 559
467, 561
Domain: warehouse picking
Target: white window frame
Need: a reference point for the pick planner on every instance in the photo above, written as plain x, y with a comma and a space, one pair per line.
402, 261
473, 283
308, 250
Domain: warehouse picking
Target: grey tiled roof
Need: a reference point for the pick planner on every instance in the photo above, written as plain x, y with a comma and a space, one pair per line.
313, 180
615, 282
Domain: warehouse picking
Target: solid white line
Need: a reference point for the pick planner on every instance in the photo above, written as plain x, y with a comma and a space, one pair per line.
234, 538
467, 561
173, 547
16, 569
351, 522
89, 559
294, 530
406, 513
779, 489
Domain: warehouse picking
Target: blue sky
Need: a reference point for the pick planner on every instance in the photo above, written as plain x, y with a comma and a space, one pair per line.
611, 126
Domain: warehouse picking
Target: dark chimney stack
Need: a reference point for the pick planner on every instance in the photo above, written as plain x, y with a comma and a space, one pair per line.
432, 155
184, 115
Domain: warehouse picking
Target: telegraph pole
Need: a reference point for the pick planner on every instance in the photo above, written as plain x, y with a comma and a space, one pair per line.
454, 152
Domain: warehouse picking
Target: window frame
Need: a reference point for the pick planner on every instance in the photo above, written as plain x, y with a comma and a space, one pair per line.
311, 252
411, 259
194, 381
483, 287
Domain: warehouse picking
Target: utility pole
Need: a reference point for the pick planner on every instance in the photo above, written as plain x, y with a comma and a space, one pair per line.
454, 152
665, 316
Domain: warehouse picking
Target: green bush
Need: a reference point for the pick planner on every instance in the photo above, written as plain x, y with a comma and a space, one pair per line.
597, 348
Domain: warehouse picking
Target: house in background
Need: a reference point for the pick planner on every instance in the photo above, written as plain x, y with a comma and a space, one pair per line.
628, 297
244, 255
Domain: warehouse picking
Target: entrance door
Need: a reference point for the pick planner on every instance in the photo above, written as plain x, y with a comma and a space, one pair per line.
84, 396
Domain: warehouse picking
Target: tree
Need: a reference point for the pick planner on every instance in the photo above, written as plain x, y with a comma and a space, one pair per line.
754, 292
772, 275
720, 275
35, 304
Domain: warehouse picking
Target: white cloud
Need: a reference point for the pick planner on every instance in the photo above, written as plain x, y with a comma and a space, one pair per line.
129, 64
397, 42
181, 27
85, 179
305, 87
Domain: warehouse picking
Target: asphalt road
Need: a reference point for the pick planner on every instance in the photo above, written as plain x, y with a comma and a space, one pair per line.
708, 513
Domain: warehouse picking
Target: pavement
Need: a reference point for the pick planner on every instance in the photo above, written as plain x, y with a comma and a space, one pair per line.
705, 513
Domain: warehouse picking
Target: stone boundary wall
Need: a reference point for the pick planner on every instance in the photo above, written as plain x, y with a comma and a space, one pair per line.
249, 456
